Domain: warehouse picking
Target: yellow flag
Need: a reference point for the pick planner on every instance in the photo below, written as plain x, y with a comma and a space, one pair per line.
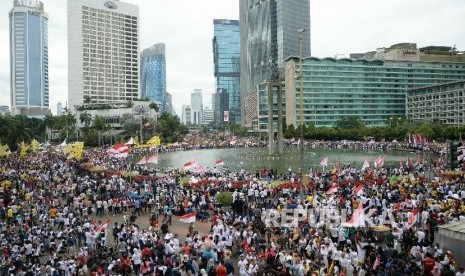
4, 150
78, 148
136, 140
67, 149
24, 149
154, 141
75, 151
34, 145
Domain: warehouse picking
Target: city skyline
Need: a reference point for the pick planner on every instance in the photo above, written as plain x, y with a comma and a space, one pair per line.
337, 28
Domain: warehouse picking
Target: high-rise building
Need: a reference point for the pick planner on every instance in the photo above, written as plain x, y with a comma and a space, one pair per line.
209, 116
226, 59
168, 104
371, 90
29, 58
220, 105
270, 34
103, 52
153, 74
186, 114
197, 107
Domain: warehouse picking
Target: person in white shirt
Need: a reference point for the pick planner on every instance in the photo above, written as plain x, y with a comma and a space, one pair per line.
242, 264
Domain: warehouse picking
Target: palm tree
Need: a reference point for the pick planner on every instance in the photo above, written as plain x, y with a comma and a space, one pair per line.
85, 119
49, 121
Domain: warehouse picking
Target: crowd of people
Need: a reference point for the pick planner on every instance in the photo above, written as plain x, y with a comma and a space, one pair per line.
61, 217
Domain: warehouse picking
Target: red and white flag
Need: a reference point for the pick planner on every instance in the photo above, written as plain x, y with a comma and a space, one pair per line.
358, 191
333, 189
188, 218
412, 218
122, 154
379, 162
143, 161
358, 218
324, 162
188, 165
102, 227
219, 163
366, 165
199, 169
153, 159
118, 148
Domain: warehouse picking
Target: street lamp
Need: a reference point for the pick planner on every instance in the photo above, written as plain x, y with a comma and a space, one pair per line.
301, 31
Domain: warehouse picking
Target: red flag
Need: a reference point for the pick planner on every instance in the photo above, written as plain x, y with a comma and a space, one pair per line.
102, 227
333, 189
189, 218
412, 219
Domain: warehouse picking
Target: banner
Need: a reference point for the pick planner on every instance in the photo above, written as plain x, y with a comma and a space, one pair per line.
34, 145
154, 141
226, 116
4, 150
23, 149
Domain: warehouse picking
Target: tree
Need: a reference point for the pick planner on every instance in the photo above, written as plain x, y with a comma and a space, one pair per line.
87, 99
350, 122
49, 121
130, 123
171, 128
85, 119
100, 126
154, 106
425, 130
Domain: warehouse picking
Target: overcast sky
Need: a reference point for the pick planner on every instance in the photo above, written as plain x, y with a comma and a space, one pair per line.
186, 27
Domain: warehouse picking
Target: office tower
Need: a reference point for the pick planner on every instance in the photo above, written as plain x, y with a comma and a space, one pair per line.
226, 59
186, 114
220, 105
153, 74
269, 34
103, 52
208, 116
29, 58
168, 104
59, 109
197, 107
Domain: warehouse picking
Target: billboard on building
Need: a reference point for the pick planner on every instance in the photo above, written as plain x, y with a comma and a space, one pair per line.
226, 116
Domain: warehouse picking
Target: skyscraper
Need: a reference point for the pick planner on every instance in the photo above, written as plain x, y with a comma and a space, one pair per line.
197, 107
29, 58
269, 34
103, 52
153, 74
226, 58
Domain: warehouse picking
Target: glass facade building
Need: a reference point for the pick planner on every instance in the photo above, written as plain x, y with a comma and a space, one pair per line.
372, 91
226, 59
263, 106
153, 74
29, 57
269, 34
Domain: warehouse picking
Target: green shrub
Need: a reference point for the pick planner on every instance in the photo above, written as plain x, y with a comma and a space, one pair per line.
224, 199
